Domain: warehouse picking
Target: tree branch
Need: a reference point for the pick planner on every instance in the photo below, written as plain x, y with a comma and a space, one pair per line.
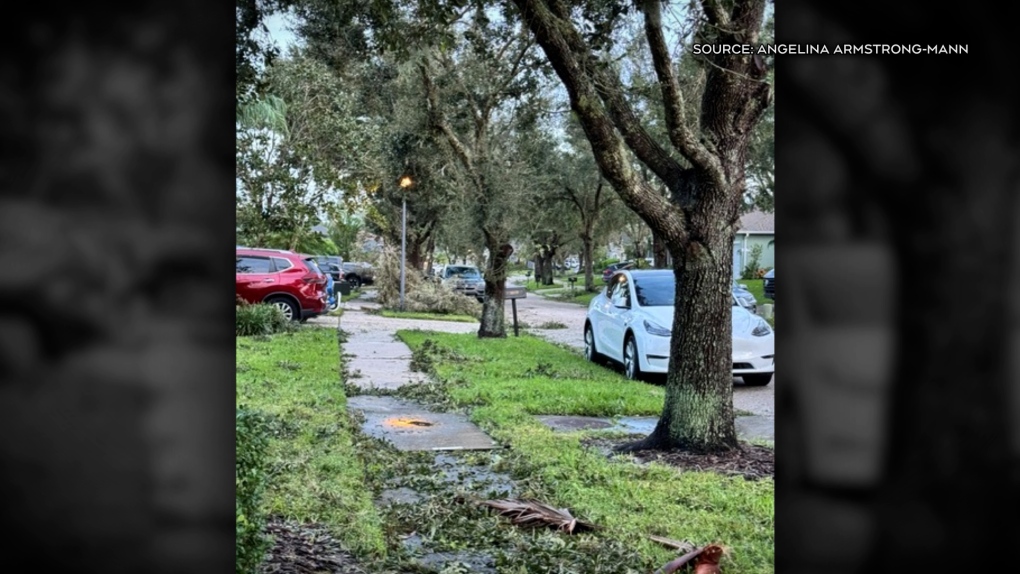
572, 61
438, 119
680, 134
716, 13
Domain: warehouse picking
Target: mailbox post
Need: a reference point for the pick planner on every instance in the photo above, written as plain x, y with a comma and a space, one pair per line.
513, 294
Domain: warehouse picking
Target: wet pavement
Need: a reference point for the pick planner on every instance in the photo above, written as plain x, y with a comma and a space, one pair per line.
408, 426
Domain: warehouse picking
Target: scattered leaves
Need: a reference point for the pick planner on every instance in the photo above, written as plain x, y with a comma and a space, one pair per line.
529, 513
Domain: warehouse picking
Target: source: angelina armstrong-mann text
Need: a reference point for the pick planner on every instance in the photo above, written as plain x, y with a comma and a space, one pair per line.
810, 49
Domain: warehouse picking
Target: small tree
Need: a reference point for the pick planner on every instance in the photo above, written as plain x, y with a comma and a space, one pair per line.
753, 263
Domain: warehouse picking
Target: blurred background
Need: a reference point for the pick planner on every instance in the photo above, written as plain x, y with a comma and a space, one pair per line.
899, 180
116, 385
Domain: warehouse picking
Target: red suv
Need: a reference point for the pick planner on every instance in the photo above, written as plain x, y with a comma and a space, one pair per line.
286, 279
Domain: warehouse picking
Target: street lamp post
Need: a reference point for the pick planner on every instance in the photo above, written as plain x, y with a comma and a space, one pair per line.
405, 182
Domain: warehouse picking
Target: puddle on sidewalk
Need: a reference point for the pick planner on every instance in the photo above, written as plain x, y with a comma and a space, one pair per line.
409, 426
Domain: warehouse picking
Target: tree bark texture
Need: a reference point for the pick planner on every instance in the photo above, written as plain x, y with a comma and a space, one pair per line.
493, 322
587, 252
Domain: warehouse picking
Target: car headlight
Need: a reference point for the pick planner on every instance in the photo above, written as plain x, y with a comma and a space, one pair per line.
656, 329
762, 328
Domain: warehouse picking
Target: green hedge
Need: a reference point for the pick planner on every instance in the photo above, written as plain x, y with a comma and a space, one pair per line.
250, 540
259, 319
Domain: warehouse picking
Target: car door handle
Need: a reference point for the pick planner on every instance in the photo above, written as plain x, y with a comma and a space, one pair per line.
268, 280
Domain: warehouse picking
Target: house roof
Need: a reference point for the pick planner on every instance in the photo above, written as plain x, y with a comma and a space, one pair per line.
758, 222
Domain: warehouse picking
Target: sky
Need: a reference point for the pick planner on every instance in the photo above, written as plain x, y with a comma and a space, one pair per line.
279, 30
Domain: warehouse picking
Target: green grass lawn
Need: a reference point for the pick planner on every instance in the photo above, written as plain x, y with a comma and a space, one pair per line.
505, 381
427, 316
316, 475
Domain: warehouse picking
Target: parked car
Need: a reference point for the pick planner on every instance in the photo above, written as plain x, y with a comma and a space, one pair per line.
630, 322
770, 284
745, 297
331, 264
291, 281
465, 279
358, 273
607, 273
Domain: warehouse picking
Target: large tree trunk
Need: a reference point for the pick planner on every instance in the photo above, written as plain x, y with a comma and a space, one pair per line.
546, 259
414, 260
538, 269
586, 255
493, 323
698, 411
660, 251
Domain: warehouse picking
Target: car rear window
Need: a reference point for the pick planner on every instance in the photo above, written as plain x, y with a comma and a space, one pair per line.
246, 264
313, 266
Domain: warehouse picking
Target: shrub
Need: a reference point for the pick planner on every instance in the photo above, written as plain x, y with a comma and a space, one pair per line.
259, 319
420, 295
387, 278
251, 542
603, 263
753, 260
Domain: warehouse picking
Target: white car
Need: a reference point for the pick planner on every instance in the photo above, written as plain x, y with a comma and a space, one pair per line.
630, 322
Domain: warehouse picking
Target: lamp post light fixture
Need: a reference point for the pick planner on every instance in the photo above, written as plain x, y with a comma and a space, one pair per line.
405, 182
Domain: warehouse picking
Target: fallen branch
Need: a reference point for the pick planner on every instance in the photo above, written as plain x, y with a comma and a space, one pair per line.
706, 561
530, 513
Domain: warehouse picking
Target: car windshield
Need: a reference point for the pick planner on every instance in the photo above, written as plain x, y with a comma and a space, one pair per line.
463, 272
655, 291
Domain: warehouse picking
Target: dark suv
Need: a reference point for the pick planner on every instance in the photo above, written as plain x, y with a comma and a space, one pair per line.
286, 279
358, 274
331, 264
770, 284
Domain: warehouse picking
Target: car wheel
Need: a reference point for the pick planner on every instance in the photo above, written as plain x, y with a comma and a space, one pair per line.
631, 368
591, 354
354, 281
290, 310
757, 380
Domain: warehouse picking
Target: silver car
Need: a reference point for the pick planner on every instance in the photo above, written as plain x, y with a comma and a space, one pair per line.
465, 279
